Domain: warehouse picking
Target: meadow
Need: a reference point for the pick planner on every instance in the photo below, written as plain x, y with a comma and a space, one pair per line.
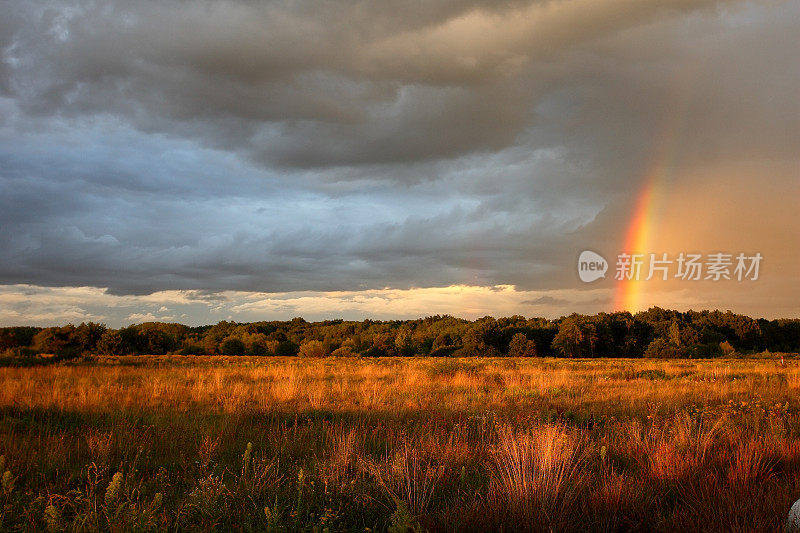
196, 443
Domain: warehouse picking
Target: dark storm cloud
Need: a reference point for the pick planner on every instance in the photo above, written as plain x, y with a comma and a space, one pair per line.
271, 146
311, 84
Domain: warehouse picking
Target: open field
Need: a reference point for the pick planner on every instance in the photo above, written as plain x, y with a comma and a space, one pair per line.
397, 444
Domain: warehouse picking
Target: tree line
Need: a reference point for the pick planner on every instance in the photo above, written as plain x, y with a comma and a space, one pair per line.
656, 332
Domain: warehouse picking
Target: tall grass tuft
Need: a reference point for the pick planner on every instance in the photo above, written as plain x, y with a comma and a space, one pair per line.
114, 490
538, 475
409, 475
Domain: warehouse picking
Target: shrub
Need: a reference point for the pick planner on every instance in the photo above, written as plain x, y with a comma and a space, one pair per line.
191, 349
374, 351
706, 350
286, 348
444, 351
727, 348
344, 351
19, 351
258, 348
661, 349
402, 520
52, 518
113, 490
312, 349
232, 347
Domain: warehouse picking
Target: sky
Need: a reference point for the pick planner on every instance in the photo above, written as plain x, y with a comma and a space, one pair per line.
256, 160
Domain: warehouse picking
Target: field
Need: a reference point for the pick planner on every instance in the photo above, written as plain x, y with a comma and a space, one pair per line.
289, 444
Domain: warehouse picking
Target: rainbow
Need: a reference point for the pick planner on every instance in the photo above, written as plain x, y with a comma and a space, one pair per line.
642, 230
628, 295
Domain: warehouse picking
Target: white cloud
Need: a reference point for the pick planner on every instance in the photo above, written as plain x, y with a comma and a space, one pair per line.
57, 305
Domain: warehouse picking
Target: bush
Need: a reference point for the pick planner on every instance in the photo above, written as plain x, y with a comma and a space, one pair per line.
286, 349
232, 347
312, 349
727, 348
706, 350
374, 351
344, 351
19, 351
191, 349
661, 349
444, 351
258, 348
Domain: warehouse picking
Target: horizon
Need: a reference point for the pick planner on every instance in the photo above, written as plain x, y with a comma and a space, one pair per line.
553, 319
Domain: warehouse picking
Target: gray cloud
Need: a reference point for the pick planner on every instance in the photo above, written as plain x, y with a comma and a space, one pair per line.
545, 300
346, 145
315, 84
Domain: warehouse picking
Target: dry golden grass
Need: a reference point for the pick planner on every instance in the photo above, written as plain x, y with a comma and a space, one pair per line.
439, 444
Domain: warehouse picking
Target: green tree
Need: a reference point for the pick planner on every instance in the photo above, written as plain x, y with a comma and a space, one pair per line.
112, 343
481, 338
520, 346
60, 341
675, 333
576, 337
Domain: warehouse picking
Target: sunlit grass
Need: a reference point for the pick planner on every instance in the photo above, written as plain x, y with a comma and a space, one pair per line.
442, 444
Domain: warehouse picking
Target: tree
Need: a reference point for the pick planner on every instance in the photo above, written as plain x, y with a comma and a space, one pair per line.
17, 337
87, 335
520, 346
112, 343
158, 342
675, 333
727, 348
481, 339
259, 347
61, 342
403, 342
216, 334
576, 337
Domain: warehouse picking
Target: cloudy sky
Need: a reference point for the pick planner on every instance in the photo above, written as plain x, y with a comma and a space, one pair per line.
246, 160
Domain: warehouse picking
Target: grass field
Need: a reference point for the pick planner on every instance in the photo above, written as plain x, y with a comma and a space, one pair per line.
288, 444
